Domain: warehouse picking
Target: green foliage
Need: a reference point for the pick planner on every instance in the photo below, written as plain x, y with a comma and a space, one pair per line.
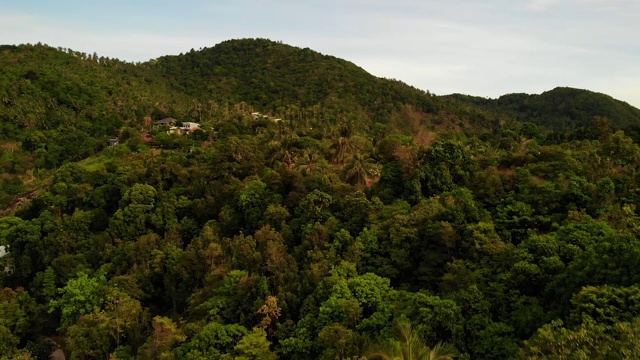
8, 342
212, 342
165, 334
409, 346
254, 346
606, 304
80, 296
88, 338
589, 341
270, 75
349, 204
561, 107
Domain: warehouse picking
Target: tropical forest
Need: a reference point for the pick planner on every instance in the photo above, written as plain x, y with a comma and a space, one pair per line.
259, 201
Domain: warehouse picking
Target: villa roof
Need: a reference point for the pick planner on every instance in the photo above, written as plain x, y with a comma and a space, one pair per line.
168, 120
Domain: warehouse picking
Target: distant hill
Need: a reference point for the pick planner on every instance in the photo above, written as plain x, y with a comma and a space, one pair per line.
560, 107
43, 88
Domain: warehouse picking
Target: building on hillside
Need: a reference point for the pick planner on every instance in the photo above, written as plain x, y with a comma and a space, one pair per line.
189, 127
113, 142
165, 122
186, 128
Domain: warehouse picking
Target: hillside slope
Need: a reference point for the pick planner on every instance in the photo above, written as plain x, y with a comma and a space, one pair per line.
560, 107
309, 237
43, 88
269, 75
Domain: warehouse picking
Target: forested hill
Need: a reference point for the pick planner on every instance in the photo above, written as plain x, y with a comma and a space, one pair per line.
560, 108
317, 210
268, 75
44, 88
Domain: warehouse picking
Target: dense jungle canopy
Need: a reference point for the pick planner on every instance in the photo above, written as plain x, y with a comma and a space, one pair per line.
319, 212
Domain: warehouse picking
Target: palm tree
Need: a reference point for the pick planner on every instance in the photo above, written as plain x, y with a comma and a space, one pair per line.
311, 162
278, 154
278, 143
343, 144
360, 169
195, 110
409, 346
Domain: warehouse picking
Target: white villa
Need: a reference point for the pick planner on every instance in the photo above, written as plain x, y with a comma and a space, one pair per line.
186, 128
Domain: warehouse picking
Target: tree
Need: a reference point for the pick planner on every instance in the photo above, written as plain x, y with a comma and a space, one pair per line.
444, 165
12, 311
336, 339
606, 304
254, 346
588, 341
344, 142
8, 343
360, 169
409, 346
211, 342
311, 162
621, 149
165, 334
271, 312
80, 296
122, 315
601, 127
89, 338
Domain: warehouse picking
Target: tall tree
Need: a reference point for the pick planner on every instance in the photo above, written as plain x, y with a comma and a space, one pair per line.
360, 169
409, 346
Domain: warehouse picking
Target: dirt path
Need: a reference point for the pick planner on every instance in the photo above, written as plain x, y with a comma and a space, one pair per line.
19, 201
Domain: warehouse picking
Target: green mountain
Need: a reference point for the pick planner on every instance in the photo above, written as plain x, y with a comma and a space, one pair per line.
347, 208
271, 75
58, 105
44, 88
559, 108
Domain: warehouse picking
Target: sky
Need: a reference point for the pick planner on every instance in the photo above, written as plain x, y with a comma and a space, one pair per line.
483, 48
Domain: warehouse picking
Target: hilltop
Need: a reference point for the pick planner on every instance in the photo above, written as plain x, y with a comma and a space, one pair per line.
44, 87
562, 107
269, 75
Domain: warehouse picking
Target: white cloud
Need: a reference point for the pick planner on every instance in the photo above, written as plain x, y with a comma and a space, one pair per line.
542, 5
618, 6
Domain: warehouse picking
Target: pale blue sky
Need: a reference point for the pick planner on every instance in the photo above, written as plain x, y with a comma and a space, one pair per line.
486, 48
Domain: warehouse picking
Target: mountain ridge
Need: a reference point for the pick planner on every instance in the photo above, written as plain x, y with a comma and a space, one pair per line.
561, 106
272, 76
269, 75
